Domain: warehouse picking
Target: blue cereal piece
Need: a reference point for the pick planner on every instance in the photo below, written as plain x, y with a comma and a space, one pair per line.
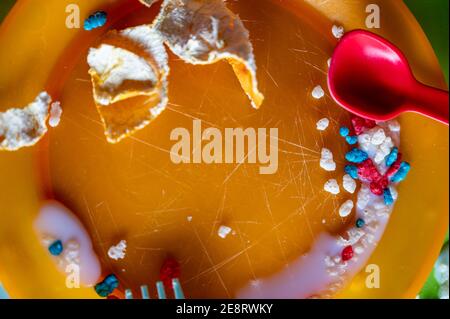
352, 170
360, 223
352, 140
392, 157
56, 248
387, 195
344, 131
402, 173
107, 286
96, 20
356, 156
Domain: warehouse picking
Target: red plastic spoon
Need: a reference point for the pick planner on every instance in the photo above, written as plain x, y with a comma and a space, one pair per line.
371, 77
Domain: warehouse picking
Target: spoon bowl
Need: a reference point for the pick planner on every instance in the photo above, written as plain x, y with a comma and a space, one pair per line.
371, 77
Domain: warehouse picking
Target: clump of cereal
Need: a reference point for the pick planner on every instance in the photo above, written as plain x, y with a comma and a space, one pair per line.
205, 32
24, 127
129, 64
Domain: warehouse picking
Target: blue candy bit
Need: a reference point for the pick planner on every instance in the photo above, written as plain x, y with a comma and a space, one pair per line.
96, 20
352, 140
402, 173
107, 286
56, 248
387, 195
344, 131
392, 157
352, 170
356, 156
360, 223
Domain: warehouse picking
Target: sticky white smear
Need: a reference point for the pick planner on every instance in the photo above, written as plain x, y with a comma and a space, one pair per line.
321, 272
56, 221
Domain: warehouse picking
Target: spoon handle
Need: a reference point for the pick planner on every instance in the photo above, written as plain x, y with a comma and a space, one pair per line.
431, 102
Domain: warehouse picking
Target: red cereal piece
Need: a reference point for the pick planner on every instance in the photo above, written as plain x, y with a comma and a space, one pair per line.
377, 187
360, 124
367, 171
169, 270
347, 253
394, 167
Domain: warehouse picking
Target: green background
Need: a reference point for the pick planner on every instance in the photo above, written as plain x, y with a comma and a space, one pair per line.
433, 15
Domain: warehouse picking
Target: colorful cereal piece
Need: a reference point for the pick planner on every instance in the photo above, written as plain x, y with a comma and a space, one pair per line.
169, 270
387, 195
377, 187
392, 157
352, 170
56, 248
401, 173
356, 156
107, 286
344, 131
96, 20
352, 140
347, 253
367, 171
360, 223
360, 124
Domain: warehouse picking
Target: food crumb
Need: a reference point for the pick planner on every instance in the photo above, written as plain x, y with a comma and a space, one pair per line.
349, 183
118, 251
224, 231
55, 114
332, 186
322, 124
189, 218
326, 160
318, 92
346, 208
338, 31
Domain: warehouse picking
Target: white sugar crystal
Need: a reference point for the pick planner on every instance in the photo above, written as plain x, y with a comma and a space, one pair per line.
363, 197
394, 126
349, 184
55, 114
394, 192
338, 31
322, 124
224, 231
189, 218
358, 249
332, 186
118, 251
326, 160
318, 92
346, 208
378, 137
